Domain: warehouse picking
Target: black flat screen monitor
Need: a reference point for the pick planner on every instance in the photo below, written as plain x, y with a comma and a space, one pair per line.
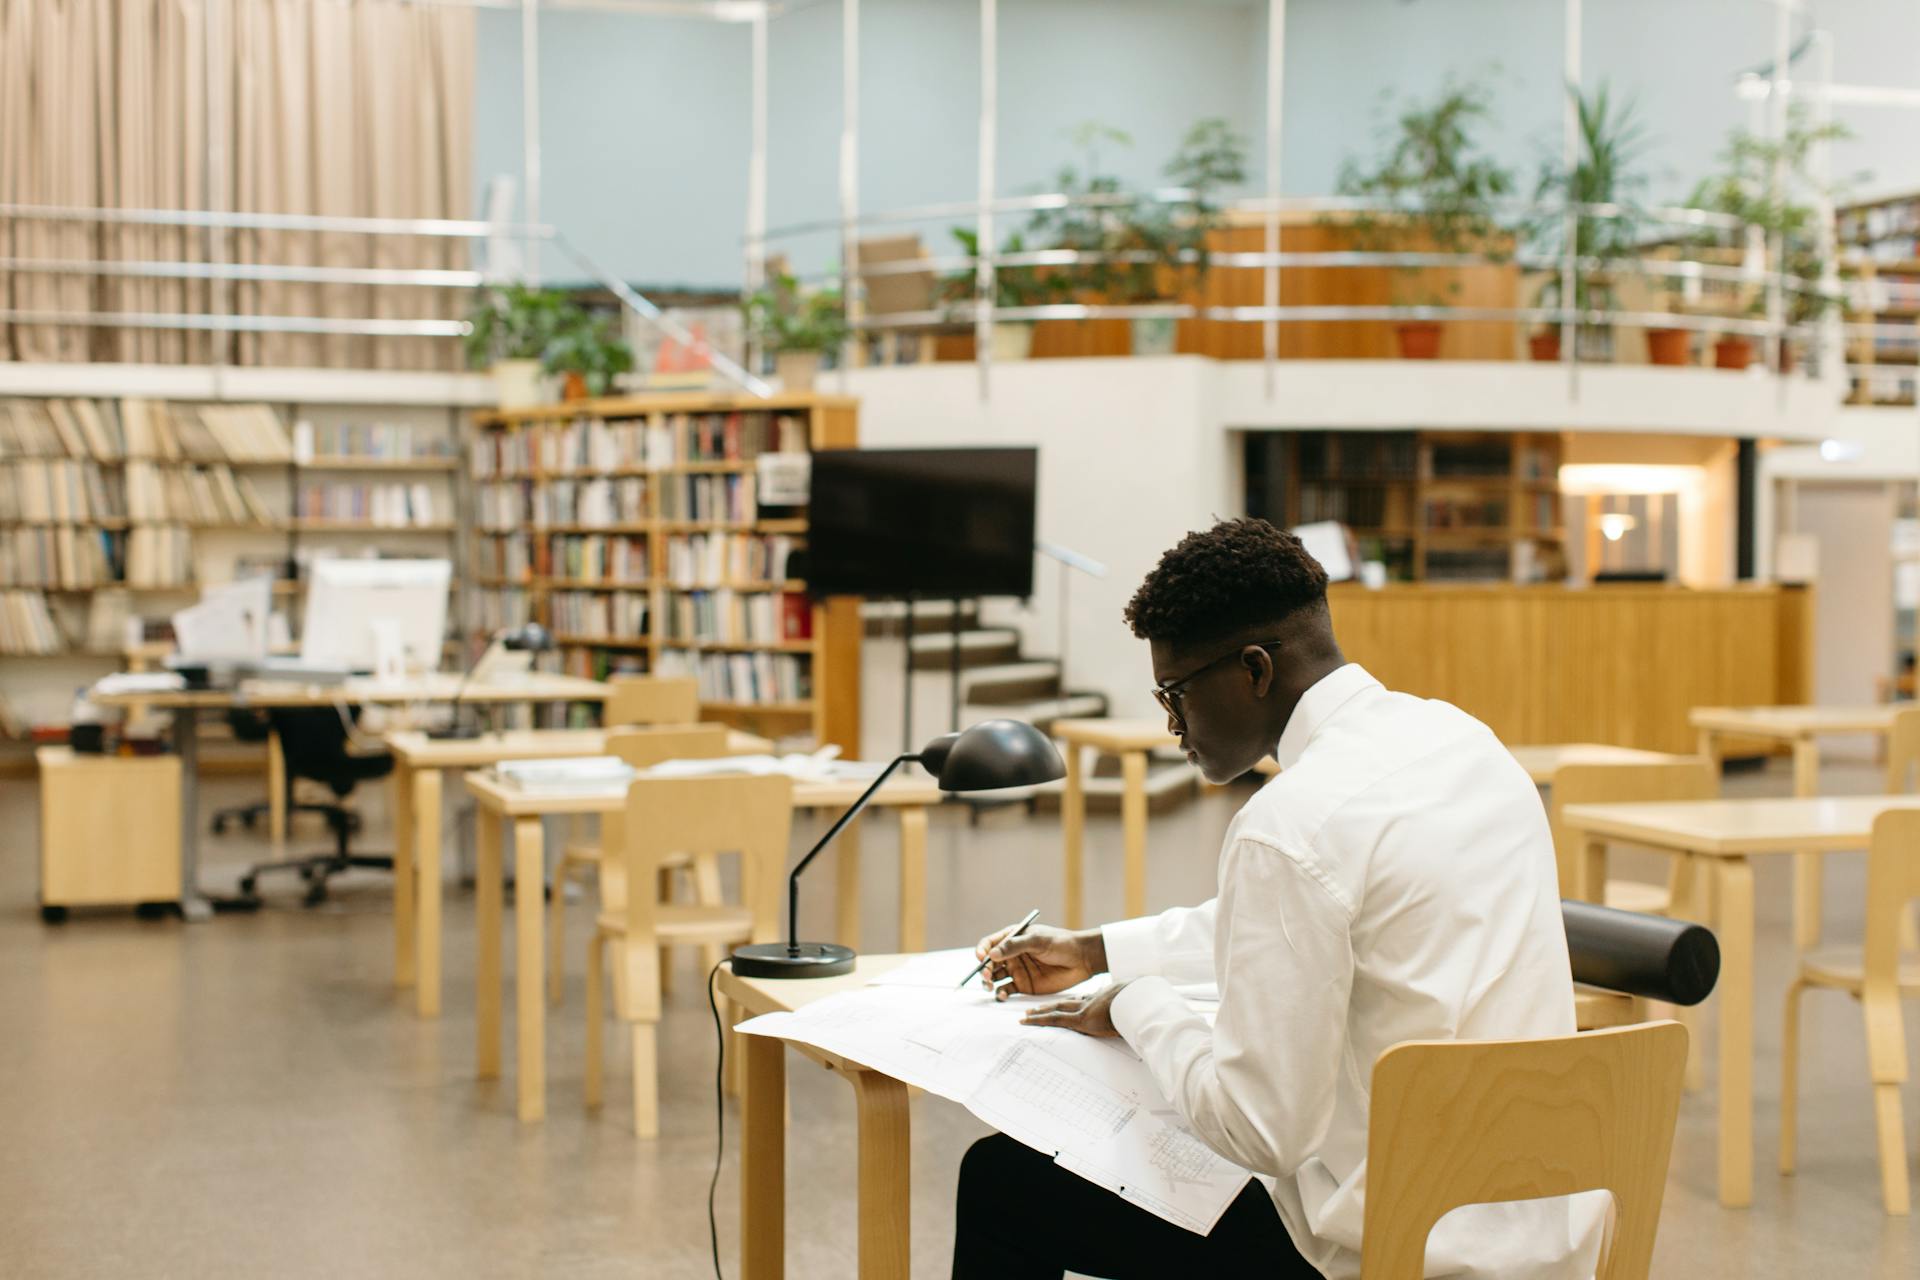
940, 523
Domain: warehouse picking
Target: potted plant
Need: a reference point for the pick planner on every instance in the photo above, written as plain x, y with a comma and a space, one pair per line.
590, 353
1088, 223
799, 328
509, 329
1746, 188
1017, 286
1167, 242
1610, 141
1433, 181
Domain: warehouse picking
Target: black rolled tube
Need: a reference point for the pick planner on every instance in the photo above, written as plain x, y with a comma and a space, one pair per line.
1676, 961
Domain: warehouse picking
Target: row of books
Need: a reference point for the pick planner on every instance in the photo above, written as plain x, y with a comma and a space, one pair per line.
705, 559
728, 498
63, 556
592, 558
376, 441
599, 614
594, 444
734, 617
598, 664
501, 607
503, 557
734, 437
390, 505
1444, 513
742, 677
193, 495
590, 502
597, 444
58, 490
503, 506
26, 624
158, 555
109, 431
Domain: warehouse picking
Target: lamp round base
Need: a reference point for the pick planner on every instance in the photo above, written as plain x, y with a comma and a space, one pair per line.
778, 960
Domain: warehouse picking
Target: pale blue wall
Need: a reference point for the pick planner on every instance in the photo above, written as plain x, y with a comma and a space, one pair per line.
645, 120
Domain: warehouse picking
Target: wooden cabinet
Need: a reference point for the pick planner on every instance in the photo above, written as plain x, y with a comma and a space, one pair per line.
109, 829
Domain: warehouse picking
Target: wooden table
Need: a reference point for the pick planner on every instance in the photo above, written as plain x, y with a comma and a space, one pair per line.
1718, 837
187, 704
507, 805
1132, 741
419, 761
884, 1128
1800, 727
1542, 762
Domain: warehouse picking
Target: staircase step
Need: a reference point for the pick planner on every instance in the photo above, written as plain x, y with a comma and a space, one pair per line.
888, 617
1011, 682
1041, 712
981, 647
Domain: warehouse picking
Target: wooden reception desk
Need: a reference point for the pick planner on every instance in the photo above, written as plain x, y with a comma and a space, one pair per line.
1615, 664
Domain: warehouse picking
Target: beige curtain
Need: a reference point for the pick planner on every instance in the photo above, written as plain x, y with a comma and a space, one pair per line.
343, 107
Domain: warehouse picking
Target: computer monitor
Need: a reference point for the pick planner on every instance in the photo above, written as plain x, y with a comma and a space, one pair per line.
229, 624
361, 610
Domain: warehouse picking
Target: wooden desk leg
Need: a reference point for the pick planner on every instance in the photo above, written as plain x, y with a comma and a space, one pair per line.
488, 889
1133, 821
1887, 1067
1591, 874
763, 1158
886, 1149
1073, 831
276, 795
530, 964
427, 890
913, 878
403, 921
1806, 866
1736, 1032
846, 883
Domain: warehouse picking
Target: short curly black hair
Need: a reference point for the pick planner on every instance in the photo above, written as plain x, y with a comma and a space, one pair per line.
1235, 577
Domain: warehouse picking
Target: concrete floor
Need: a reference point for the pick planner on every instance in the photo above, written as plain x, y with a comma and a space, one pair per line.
252, 1097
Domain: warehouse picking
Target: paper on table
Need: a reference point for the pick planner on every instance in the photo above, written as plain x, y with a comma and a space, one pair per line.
1091, 1103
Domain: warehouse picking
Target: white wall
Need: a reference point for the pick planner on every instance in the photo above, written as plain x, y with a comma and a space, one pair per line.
1853, 614
645, 120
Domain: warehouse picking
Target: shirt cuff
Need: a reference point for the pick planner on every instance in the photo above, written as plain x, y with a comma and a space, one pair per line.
1144, 1001
1133, 947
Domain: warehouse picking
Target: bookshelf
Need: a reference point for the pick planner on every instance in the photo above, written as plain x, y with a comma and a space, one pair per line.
1880, 263
1432, 506
634, 530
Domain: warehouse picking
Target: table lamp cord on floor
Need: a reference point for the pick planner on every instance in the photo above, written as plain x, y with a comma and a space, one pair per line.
719, 1115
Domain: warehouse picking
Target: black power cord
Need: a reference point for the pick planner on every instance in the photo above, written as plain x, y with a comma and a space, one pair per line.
719, 1115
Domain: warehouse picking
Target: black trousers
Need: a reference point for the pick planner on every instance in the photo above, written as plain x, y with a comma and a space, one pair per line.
1023, 1217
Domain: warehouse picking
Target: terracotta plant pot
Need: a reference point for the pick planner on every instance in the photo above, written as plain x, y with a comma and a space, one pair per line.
797, 369
1419, 339
576, 388
1733, 352
1545, 346
1669, 346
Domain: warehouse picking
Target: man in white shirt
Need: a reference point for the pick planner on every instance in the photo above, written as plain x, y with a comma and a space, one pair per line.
1394, 882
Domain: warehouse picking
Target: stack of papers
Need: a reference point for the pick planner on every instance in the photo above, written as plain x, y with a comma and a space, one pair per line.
1091, 1104
569, 775
818, 767
140, 682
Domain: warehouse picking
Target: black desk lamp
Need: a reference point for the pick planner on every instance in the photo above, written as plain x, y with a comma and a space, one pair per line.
529, 637
986, 757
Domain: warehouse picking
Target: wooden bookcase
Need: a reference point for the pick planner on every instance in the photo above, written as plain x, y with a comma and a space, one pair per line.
1880, 263
586, 519
1433, 506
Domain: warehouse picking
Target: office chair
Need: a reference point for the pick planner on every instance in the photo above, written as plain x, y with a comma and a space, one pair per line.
314, 741
251, 726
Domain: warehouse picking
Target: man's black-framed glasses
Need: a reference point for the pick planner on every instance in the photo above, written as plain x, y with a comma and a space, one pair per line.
1169, 695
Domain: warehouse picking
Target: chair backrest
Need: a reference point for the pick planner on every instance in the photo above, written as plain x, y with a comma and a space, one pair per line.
643, 748
652, 700
1689, 778
1903, 751
313, 741
732, 813
1460, 1122
891, 292
1893, 880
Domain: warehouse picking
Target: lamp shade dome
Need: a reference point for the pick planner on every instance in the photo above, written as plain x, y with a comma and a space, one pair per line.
991, 755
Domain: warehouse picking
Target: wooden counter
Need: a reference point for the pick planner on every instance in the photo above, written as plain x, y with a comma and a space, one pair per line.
1614, 664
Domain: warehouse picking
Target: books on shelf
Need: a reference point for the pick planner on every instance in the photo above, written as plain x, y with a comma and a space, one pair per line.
69, 557
498, 607
599, 614
505, 505
716, 559
602, 501
26, 624
503, 557
734, 617
595, 557
108, 613
494, 454
243, 432
59, 491
372, 441
719, 498
593, 444
742, 677
729, 437
597, 664
389, 505
159, 555
192, 495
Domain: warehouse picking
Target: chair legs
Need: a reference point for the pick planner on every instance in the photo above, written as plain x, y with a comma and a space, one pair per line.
646, 1082
557, 931
596, 1013
646, 1065
1790, 1078
1890, 1124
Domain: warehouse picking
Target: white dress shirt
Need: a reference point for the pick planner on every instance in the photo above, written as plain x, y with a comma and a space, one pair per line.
1394, 882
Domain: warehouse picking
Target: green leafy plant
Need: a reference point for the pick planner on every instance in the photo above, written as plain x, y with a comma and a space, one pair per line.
1433, 179
592, 347
1016, 286
1088, 228
1612, 141
1164, 237
514, 322
782, 318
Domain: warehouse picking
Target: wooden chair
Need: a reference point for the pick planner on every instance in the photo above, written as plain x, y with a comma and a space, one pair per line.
667, 817
1689, 779
1877, 977
1903, 755
641, 748
651, 700
1461, 1122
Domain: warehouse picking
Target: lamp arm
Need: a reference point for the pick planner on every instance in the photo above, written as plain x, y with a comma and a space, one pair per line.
461, 690
793, 879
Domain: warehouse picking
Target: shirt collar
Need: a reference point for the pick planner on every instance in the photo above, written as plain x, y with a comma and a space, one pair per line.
1316, 706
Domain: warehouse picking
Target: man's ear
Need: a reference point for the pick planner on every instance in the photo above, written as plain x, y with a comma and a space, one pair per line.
1260, 668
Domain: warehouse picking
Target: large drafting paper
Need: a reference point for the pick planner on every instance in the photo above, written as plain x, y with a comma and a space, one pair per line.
1091, 1103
